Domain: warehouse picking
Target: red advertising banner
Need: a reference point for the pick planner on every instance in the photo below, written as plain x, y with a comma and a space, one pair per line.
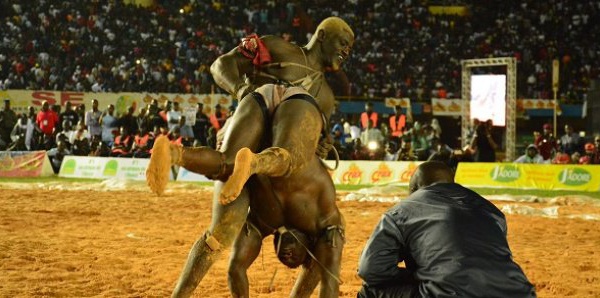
23, 164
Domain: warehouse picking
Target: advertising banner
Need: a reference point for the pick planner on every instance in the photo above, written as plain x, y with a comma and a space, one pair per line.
104, 168
453, 106
391, 102
349, 172
15, 164
446, 107
361, 172
441, 10
529, 176
535, 104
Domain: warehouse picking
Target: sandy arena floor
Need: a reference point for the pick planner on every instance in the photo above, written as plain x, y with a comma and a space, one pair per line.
84, 241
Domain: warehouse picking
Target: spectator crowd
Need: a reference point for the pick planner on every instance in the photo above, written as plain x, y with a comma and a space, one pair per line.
401, 49
100, 132
97, 131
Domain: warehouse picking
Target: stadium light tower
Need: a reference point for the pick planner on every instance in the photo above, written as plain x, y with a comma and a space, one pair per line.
511, 101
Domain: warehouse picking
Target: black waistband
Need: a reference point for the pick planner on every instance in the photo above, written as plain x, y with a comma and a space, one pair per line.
267, 117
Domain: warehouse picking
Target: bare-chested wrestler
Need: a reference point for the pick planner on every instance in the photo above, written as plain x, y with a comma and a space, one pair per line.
301, 200
254, 63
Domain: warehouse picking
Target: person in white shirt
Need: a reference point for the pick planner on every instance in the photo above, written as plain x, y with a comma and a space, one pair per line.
531, 156
80, 139
24, 128
67, 131
92, 119
173, 116
186, 132
109, 123
355, 131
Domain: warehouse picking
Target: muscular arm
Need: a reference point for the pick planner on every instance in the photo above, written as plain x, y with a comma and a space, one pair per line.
379, 260
229, 70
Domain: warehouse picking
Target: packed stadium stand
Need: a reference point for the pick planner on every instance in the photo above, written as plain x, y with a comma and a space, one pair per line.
409, 48
402, 47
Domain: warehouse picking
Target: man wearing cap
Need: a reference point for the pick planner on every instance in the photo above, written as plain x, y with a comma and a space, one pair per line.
451, 240
531, 155
546, 143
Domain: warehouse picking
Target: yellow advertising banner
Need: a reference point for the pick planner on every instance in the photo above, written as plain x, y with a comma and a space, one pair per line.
361, 172
446, 107
441, 10
391, 102
529, 176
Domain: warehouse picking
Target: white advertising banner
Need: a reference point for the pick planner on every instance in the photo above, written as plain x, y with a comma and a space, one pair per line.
104, 168
185, 175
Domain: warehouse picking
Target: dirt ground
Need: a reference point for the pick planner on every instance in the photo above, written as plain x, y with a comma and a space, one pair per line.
79, 242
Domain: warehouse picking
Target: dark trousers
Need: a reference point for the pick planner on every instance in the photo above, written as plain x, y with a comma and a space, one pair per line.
389, 291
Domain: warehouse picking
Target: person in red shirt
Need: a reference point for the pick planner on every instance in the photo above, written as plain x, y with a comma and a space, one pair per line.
546, 142
367, 115
46, 119
591, 152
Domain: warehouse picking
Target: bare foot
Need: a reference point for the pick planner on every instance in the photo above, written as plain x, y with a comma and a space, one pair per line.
242, 171
157, 174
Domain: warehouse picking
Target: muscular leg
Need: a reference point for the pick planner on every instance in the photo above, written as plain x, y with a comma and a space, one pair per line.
329, 253
307, 281
296, 128
245, 250
330, 256
245, 129
226, 223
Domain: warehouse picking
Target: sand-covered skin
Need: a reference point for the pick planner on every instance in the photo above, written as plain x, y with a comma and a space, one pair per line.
157, 173
82, 243
242, 171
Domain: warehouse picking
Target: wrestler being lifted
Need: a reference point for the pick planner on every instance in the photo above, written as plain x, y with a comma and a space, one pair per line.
257, 61
293, 132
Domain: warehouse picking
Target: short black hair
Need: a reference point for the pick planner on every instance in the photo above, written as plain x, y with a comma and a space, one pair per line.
430, 172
